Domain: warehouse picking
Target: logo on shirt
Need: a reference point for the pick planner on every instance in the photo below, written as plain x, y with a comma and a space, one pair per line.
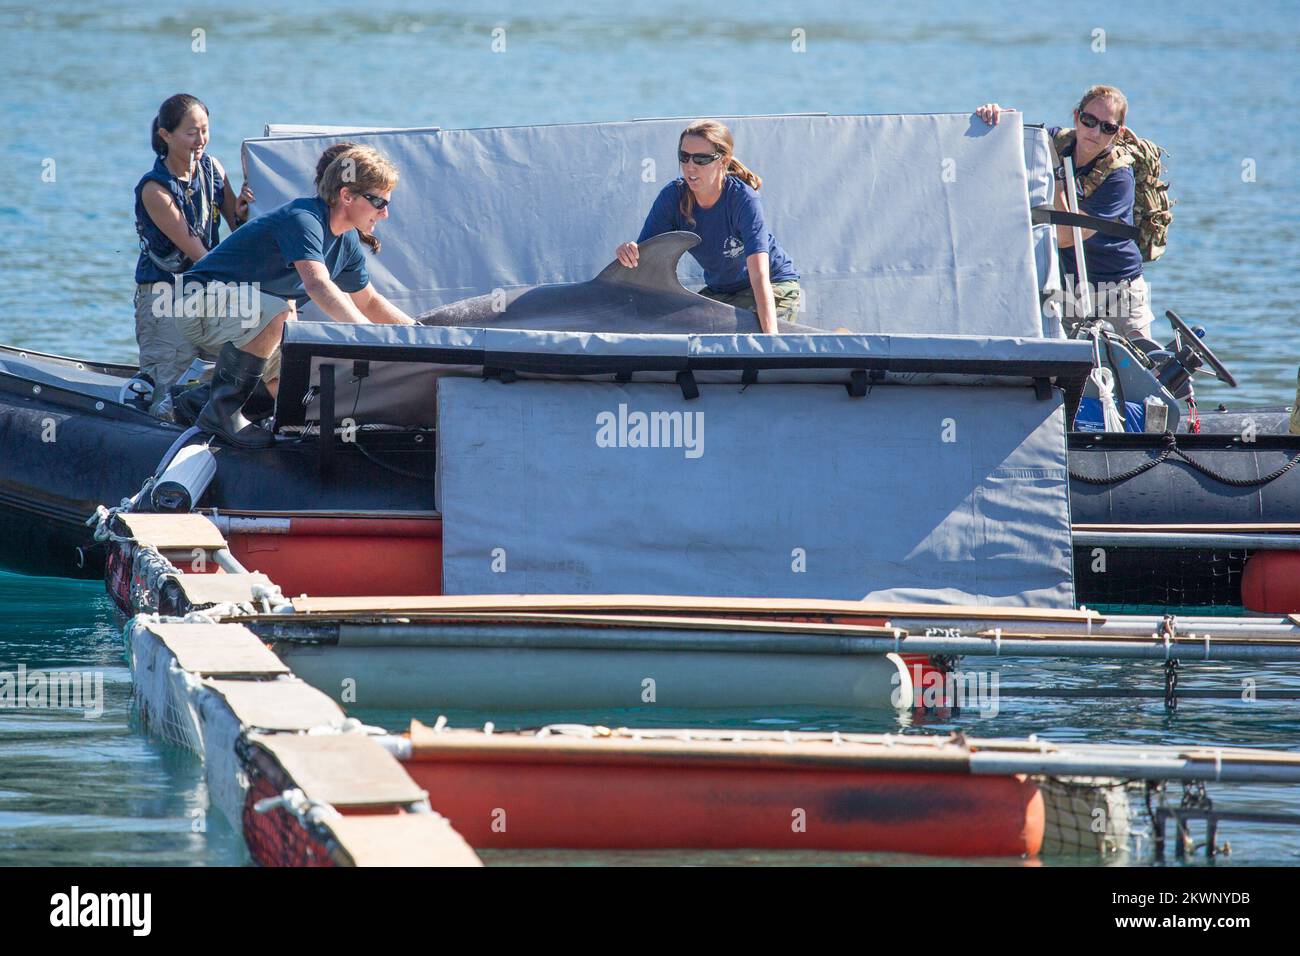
733, 247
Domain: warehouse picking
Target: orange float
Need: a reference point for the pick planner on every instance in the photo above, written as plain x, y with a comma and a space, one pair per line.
347, 557
1270, 582
519, 791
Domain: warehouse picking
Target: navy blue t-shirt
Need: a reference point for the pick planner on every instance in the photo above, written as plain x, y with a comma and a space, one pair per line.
265, 249
1109, 258
730, 230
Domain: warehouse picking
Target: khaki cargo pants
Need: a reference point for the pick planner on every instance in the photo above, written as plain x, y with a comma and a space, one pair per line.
165, 352
1126, 305
219, 322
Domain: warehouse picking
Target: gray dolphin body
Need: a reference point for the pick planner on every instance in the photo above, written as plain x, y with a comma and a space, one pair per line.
649, 298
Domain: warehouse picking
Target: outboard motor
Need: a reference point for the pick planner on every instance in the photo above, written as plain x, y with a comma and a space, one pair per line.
1144, 370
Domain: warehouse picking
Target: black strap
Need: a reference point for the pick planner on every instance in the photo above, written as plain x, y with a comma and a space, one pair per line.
1057, 217
325, 445
686, 382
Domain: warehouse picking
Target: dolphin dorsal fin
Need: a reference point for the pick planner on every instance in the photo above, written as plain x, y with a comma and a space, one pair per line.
656, 263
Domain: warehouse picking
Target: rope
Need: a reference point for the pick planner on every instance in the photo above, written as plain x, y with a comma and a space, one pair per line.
1238, 482
1172, 449
1104, 379
1131, 473
103, 517
294, 801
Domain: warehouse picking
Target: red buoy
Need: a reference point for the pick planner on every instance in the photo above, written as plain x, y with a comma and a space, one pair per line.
1270, 582
338, 557
658, 800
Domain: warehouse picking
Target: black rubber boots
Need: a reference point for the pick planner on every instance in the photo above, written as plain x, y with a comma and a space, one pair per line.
189, 403
235, 378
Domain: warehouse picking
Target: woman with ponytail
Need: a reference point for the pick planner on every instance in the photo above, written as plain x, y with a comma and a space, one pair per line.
178, 208
717, 198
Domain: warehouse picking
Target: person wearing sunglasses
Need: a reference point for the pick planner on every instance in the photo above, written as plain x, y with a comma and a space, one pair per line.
716, 197
308, 248
179, 204
1114, 263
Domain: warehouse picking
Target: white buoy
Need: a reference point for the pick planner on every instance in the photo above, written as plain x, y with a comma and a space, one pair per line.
183, 482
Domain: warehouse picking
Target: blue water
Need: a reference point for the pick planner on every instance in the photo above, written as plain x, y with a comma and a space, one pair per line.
1217, 86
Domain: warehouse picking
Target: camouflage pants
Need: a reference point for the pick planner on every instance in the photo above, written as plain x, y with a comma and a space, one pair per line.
786, 294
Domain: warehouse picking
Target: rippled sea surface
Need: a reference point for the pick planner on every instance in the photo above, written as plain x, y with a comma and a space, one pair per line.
1217, 85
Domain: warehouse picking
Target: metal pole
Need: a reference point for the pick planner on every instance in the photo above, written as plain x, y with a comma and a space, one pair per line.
1111, 627
228, 562
1161, 539
642, 639
1133, 765
1080, 267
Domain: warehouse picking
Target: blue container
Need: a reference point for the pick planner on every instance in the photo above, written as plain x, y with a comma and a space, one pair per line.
1089, 417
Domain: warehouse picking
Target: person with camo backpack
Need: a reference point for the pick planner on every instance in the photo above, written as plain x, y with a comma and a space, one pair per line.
1117, 177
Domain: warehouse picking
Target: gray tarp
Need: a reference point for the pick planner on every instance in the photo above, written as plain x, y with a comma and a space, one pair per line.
402, 362
1038, 167
543, 490
895, 223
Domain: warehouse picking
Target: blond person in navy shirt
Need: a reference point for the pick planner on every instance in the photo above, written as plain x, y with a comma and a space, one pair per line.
307, 249
717, 198
1114, 264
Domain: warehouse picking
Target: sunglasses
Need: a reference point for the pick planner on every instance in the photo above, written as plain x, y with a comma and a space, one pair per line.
376, 201
699, 159
1090, 121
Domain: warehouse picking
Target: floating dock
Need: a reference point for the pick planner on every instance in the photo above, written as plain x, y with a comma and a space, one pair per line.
215, 655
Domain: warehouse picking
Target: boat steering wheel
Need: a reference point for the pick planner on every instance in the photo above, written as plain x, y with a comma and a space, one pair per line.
1185, 336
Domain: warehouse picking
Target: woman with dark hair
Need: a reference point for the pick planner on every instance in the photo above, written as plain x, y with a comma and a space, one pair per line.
717, 197
178, 208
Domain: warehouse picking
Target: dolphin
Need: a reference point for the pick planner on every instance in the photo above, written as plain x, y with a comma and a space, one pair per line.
649, 298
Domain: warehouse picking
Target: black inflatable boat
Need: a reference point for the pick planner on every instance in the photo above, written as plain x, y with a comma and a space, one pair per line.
73, 436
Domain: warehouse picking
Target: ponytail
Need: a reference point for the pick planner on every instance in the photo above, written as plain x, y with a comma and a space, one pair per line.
744, 174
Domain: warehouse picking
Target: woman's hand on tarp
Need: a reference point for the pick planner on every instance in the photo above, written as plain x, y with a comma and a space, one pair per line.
627, 254
990, 112
242, 202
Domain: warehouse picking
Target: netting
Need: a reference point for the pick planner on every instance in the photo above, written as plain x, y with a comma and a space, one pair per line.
226, 779
278, 836
1156, 581
118, 568
1088, 815
164, 692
